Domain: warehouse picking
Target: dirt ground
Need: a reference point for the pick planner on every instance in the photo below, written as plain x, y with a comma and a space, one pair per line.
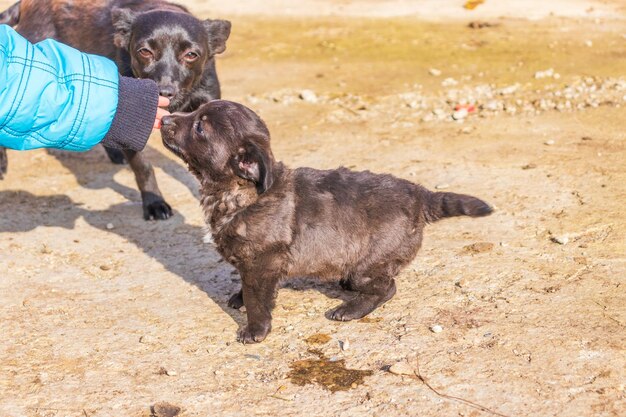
101, 321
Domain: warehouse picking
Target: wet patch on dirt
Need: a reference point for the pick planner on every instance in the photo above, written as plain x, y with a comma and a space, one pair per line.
318, 339
327, 373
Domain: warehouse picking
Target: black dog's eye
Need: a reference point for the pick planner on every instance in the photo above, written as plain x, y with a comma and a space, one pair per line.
145, 53
191, 56
198, 127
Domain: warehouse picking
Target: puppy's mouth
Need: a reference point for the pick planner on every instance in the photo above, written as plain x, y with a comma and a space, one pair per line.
167, 136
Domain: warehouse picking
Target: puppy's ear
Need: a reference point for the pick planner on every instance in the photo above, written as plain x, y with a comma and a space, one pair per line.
218, 31
122, 23
255, 164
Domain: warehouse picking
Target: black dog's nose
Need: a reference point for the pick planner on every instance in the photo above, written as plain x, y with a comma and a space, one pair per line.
168, 92
167, 120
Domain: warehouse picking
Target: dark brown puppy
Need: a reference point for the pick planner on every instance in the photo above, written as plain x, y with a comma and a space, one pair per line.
148, 39
273, 223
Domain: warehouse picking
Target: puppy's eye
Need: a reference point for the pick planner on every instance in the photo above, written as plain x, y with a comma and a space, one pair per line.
198, 127
145, 53
191, 56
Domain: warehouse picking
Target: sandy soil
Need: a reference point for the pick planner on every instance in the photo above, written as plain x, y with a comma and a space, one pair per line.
100, 321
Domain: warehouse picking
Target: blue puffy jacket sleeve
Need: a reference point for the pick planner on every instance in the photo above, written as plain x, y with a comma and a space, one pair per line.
53, 96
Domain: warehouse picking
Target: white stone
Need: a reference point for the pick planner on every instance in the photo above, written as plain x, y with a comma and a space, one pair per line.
436, 328
401, 368
434, 72
110, 226
561, 240
308, 96
460, 114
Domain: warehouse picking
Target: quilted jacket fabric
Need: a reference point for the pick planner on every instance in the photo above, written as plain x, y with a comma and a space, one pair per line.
52, 95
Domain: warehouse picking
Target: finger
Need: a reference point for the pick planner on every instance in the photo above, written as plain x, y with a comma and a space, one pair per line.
157, 124
161, 113
164, 101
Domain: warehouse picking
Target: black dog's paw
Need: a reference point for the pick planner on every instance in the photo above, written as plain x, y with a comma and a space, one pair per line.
252, 334
157, 210
345, 312
236, 301
116, 156
4, 162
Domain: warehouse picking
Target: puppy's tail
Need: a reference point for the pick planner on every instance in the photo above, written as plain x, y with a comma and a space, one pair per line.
441, 205
11, 16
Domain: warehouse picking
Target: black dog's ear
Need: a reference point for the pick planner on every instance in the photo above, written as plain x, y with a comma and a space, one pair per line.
218, 31
122, 23
255, 164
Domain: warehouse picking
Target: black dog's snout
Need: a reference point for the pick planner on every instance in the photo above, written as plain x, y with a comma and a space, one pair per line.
168, 91
167, 120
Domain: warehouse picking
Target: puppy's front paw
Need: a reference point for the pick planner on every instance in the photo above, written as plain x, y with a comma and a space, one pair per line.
249, 335
236, 301
345, 313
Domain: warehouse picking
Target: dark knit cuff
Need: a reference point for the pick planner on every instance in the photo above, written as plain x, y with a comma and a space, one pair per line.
134, 118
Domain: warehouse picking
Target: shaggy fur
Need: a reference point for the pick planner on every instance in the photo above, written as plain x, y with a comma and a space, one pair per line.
273, 223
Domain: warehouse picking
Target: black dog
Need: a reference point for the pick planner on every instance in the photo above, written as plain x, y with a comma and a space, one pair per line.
273, 223
148, 39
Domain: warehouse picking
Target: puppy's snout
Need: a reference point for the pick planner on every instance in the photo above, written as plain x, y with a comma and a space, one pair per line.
167, 120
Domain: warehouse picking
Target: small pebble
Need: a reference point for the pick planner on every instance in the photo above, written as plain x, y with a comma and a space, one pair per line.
448, 82
110, 226
460, 114
442, 186
436, 328
401, 368
434, 72
308, 96
561, 240
588, 43
105, 267
345, 345
171, 373
549, 142
164, 409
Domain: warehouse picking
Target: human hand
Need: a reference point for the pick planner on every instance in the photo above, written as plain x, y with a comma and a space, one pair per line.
163, 102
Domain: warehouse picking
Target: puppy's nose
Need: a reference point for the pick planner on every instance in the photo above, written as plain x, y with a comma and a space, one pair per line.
167, 91
167, 120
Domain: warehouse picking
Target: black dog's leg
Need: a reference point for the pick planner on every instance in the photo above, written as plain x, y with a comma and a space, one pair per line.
4, 162
372, 292
236, 301
116, 156
259, 295
154, 206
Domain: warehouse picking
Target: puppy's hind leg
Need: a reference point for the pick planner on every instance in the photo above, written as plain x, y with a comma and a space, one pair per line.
4, 162
154, 206
372, 291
